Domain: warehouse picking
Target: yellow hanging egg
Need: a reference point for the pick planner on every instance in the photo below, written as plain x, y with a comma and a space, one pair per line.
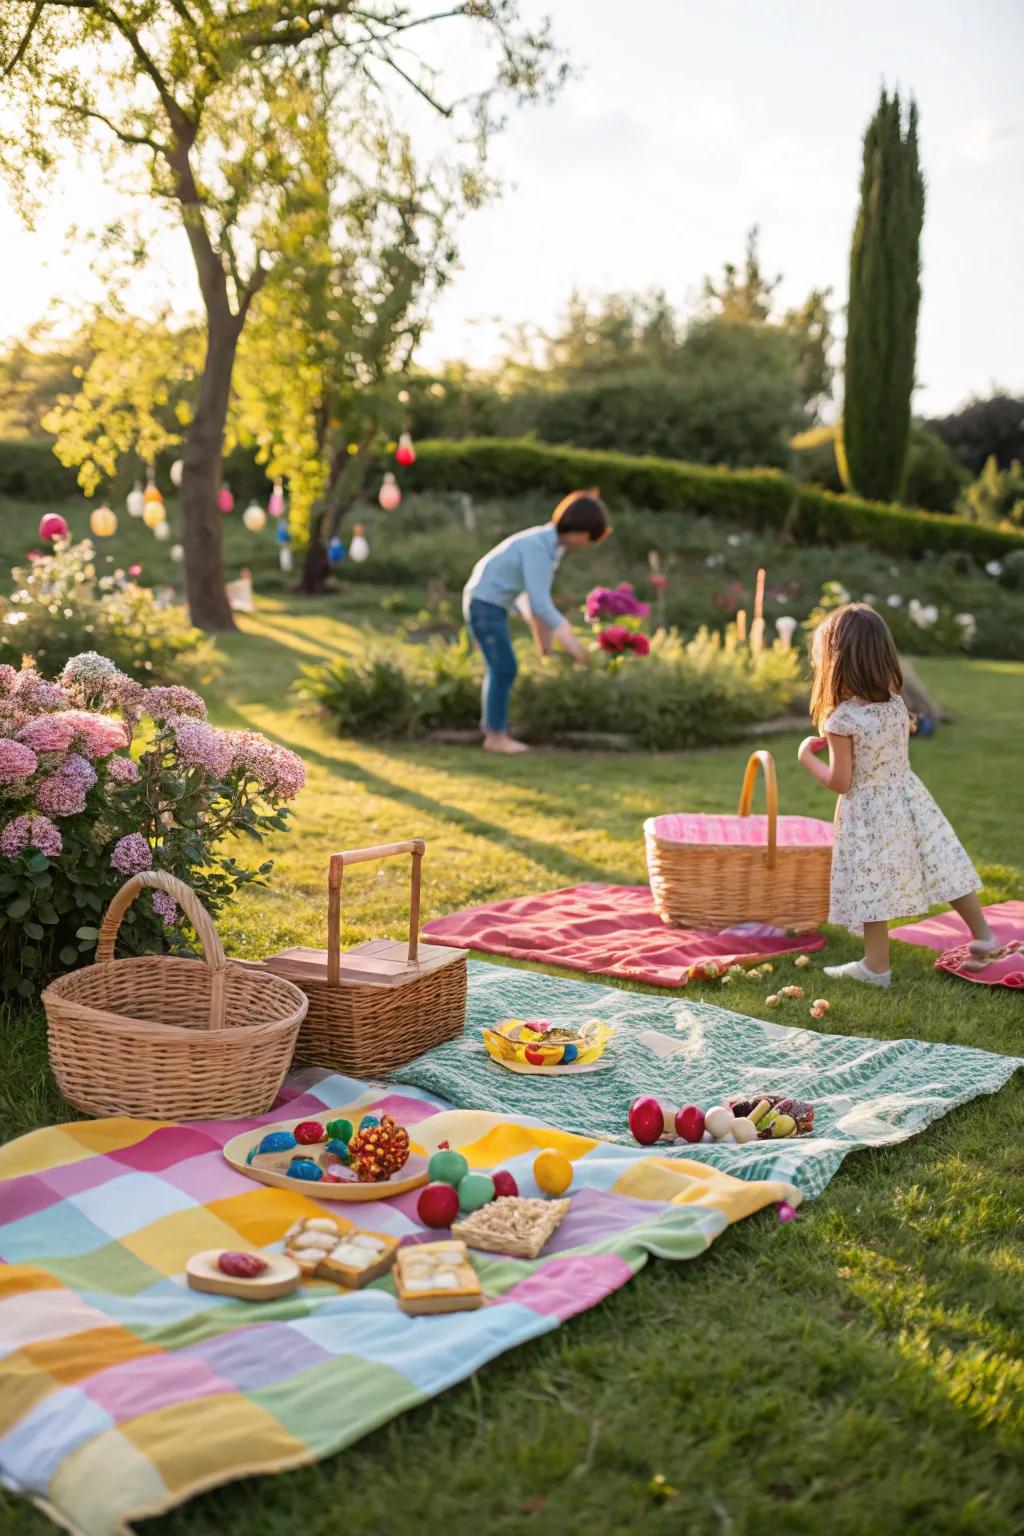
153, 514
552, 1172
103, 522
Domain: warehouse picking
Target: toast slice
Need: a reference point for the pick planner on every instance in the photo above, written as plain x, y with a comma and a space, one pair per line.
436, 1277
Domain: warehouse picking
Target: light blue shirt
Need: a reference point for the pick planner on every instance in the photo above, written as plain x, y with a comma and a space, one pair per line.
525, 562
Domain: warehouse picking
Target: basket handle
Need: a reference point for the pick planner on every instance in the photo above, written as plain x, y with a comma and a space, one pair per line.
414, 846
185, 896
766, 763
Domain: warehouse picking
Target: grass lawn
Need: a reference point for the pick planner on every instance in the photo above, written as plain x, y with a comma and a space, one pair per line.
856, 1372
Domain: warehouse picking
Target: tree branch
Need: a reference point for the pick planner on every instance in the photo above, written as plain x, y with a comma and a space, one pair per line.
19, 52
179, 120
124, 134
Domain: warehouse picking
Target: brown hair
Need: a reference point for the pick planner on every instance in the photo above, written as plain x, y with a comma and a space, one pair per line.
583, 512
854, 657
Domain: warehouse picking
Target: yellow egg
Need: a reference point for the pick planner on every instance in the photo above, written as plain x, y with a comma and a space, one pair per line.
553, 1172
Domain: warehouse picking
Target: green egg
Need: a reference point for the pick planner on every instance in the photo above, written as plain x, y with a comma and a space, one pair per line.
447, 1167
340, 1130
475, 1190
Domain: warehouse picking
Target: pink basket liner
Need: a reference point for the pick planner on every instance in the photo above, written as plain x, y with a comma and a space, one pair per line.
741, 831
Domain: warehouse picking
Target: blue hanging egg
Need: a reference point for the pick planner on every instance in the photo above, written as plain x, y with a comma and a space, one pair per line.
305, 1168
335, 550
282, 534
277, 1141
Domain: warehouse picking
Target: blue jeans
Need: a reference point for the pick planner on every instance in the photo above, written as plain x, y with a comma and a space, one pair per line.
488, 624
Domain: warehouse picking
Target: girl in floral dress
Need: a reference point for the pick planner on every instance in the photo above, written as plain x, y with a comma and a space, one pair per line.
894, 853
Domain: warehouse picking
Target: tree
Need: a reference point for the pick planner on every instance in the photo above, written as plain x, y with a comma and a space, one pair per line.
985, 428
997, 496
209, 96
885, 294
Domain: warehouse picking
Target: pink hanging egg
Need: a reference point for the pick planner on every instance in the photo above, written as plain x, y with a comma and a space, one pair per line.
225, 500
52, 526
646, 1120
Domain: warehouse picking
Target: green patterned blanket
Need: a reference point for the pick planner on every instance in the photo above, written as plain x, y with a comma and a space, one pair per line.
866, 1093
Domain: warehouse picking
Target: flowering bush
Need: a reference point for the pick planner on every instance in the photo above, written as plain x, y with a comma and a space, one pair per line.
61, 606
79, 813
618, 602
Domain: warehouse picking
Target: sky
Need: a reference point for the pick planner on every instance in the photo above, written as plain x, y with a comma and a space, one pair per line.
686, 122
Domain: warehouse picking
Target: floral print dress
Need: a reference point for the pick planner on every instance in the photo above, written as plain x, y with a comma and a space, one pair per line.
894, 854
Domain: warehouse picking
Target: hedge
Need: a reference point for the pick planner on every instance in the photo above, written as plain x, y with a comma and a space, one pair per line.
29, 471
494, 467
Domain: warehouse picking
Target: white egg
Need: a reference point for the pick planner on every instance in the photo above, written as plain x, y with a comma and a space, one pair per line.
743, 1130
719, 1121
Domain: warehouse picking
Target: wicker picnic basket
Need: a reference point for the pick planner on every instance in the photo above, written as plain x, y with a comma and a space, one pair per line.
715, 871
169, 1038
384, 1002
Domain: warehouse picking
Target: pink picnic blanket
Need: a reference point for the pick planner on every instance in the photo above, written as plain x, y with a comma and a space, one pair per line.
947, 931
608, 930
1006, 969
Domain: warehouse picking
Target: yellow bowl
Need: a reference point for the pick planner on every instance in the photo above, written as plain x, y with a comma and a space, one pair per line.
515, 1040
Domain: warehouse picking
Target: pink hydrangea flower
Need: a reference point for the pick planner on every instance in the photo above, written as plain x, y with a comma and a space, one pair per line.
132, 854
48, 733
161, 703
60, 796
34, 693
8, 678
98, 735
16, 761
277, 770
89, 674
166, 907
202, 746
30, 832
122, 770
78, 771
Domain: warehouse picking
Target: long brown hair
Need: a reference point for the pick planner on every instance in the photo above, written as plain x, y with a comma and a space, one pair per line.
854, 657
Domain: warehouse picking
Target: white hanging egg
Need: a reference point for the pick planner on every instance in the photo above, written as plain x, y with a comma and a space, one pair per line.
177, 470
254, 517
177, 553
136, 501
163, 530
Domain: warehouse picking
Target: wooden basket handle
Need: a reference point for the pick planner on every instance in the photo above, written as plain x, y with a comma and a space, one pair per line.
414, 846
766, 763
185, 896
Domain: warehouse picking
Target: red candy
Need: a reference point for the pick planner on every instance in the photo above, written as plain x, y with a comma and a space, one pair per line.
504, 1183
309, 1132
535, 1057
646, 1120
242, 1266
438, 1205
690, 1123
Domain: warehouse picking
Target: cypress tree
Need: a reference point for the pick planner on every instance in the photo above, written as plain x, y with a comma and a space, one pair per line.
885, 294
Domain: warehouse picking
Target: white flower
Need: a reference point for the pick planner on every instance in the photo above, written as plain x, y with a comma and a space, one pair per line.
734, 539
785, 628
894, 600
968, 626
15, 618
712, 560
994, 567
869, 598
923, 615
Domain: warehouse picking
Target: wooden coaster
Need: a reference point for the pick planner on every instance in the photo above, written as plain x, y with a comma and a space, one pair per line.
281, 1277
511, 1225
436, 1277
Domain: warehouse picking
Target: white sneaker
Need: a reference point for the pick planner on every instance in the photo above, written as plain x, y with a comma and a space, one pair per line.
856, 970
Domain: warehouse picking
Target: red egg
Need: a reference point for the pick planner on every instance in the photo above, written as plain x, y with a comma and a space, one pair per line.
504, 1183
309, 1132
646, 1120
535, 1057
438, 1205
690, 1123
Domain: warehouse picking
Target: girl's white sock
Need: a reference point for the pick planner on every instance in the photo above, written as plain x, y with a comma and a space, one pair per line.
856, 970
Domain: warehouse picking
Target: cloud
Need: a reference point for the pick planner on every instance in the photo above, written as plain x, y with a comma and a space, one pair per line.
981, 140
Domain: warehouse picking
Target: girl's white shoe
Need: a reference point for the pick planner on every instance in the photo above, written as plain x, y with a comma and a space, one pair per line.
856, 970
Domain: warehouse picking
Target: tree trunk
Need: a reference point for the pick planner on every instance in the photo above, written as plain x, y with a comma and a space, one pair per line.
200, 480
342, 492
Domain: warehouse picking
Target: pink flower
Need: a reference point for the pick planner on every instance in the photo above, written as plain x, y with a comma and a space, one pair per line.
78, 771
16, 761
615, 639
122, 770
48, 733
276, 770
614, 603
166, 907
202, 746
98, 735
30, 832
35, 694
8, 678
132, 854
640, 644
175, 700
88, 674
60, 796
659, 581
135, 570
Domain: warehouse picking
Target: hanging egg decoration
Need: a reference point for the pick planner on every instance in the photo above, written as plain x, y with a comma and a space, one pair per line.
285, 558
135, 501
359, 549
335, 550
153, 514
405, 453
389, 497
225, 500
103, 522
254, 517
152, 491
275, 506
162, 529
177, 553
177, 470
53, 526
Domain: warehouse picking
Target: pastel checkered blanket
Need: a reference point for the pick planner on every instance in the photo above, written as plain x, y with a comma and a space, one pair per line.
125, 1392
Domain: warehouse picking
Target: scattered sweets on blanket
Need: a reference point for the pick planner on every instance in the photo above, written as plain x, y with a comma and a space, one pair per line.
743, 1130
436, 1277
447, 1167
801, 961
243, 1266
368, 1122
538, 1043
512, 1226
308, 1132
305, 1168
719, 1121
646, 1120
277, 1141
791, 993
504, 1183
378, 1149
339, 1149
773, 1000
438, 1205
475, 1190
552, 1171
819, 1007
689, 1123
340, 1130
776, 1115
786, 1212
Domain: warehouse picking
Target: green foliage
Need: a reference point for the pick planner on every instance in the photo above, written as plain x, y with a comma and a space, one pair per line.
30, 472
682, 694
982, 428
885, 294
935, 478
62, 606
996, 497
1012, 574
767, 500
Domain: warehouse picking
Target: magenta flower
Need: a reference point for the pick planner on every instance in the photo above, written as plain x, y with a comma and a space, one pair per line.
614, 603
122, 770
98, 735
16, 761
165, 907
78, 771
132, 854
30, 832
48, 733
617, 639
